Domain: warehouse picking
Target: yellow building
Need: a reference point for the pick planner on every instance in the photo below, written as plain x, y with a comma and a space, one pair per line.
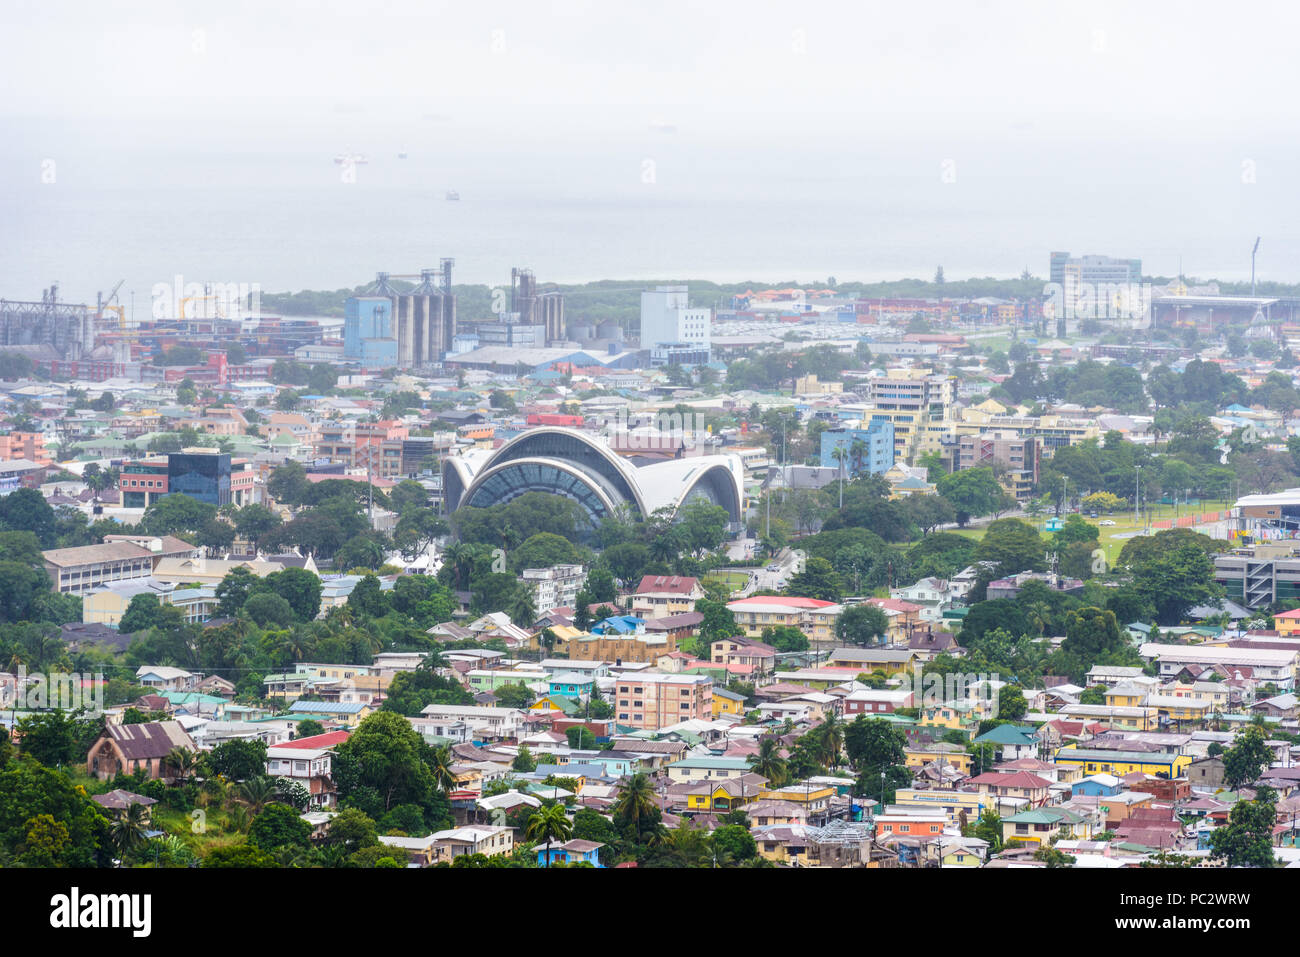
1180, 707
1125, 696
814, 797
720, 796
727, 702
1120, 763
953, 803
953, 754
957, 716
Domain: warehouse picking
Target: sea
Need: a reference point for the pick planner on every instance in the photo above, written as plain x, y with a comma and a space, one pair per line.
85, 205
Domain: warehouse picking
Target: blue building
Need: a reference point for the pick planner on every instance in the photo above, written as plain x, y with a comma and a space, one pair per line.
571, 852
369, 334
875, 458
619, 625
571, 685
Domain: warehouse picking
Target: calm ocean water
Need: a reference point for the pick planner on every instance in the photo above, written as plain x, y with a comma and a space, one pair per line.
634, 204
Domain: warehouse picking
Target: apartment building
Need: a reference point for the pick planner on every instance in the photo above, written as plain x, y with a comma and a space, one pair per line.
658, 596
1019, 455
556, 586
25, 445
653, 701
501, 723
375, 446
1261, 574
814, 617
75, 571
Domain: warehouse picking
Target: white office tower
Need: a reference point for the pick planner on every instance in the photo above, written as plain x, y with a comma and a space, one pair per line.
671, 330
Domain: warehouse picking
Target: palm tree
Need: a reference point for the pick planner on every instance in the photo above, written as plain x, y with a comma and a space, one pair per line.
440, 765
832, 736
128, 829
548, 824
183, 762
769, 763
857, 450
636, 801
257, 793
839, 455
522, 610
459, 556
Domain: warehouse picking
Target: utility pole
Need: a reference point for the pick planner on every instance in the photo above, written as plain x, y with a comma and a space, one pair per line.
1137, 497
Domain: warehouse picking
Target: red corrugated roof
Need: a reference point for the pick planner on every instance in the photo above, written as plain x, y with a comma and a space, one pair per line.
327, 740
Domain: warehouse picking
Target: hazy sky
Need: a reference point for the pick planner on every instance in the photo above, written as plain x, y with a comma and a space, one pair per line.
1166, 131
1143, 67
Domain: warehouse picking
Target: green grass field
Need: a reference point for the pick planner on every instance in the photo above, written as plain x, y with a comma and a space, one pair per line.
733, 580
1113, 537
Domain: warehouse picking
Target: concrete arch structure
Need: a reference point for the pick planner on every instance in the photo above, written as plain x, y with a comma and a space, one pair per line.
581, 467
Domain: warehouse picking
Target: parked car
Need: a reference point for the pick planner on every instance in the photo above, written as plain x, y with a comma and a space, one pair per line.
1106, 521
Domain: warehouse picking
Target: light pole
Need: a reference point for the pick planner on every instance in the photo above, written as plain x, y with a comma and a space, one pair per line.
1137, 497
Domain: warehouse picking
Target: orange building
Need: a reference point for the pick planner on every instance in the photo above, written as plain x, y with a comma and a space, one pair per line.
25, 445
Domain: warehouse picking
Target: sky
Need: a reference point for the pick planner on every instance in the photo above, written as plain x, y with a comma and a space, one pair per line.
1161, 130
1108, 67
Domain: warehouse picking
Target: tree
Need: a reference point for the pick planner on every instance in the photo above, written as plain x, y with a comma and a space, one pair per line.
299, 587
580, 738
176, 512
1011, 704
733, 845
268, 609
50, 737
383, 764
128, 830
233, 591
238, 760
550, 823
254, 520
1092, 634
1246, 759
309, 728
862, 624
817, 580
769, 763
1247, 839
873, 743
635, 808
25, 510
239, 855
278, 825
288, 484
971, 492
29, 790
142, 612
352, 830
718, 621
1176, 581
1013, 546
524, 762
929, 511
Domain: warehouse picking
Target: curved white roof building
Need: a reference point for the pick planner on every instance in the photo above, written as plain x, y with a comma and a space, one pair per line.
581, 467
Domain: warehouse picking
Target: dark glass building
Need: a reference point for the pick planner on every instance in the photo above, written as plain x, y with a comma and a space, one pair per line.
201, 475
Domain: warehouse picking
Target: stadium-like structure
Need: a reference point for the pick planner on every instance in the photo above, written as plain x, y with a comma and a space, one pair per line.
579, 466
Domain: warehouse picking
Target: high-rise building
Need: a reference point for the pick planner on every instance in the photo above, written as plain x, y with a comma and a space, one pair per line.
1094, 269
868, 450
671, 329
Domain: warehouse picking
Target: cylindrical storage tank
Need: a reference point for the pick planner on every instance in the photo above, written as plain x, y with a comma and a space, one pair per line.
609, 330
